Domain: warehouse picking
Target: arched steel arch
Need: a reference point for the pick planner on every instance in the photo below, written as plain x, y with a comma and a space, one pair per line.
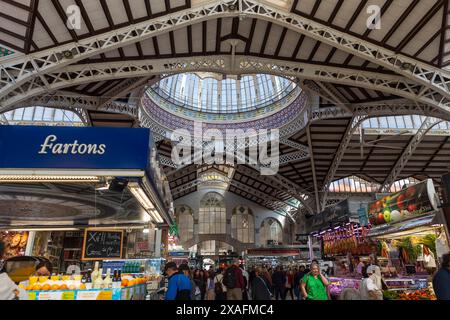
21, 74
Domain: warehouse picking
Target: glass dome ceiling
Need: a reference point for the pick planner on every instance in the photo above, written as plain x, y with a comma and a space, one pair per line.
210, 93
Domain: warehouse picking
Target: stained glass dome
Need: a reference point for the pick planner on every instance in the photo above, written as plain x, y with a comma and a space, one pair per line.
211, 93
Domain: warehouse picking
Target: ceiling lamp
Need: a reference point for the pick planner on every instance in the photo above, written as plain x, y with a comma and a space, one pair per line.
46, 178
145, 202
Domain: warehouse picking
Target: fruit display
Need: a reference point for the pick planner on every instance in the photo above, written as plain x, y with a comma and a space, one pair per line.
347, 239
424, 294
406, 204
15, 243
55, 283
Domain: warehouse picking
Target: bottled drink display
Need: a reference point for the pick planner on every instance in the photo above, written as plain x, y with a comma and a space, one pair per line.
98, 281
94, 274
107, 282
89, 279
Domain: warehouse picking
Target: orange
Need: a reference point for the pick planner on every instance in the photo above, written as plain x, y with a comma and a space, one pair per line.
124, 282
36, 287
46, 287
131, 283
63, 287
30, 287
54, 287
82, 286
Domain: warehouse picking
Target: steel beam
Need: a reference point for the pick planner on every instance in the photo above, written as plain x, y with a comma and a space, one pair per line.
426, 126
353, 126
19, 74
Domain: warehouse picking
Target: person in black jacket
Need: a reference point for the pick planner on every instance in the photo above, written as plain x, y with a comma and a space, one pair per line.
260, 291
441, 280
279, 283
297, 279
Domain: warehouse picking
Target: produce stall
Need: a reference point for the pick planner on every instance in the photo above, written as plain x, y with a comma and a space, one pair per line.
409, 228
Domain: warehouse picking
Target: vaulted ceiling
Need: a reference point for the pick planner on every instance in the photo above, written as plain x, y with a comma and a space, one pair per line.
416, 29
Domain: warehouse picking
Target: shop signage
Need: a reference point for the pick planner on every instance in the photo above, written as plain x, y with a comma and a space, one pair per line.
302, 239
331, 215
102, 244
412, 202
36, 147
273, 252
362, 216
178, 253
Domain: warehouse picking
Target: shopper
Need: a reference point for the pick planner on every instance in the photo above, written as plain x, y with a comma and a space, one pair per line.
234, 281
246, 281
297, 279
368, 289
441, 280
314, 285
259, 288
187, 272
279, 283
210, 286
359, 265
44, 268
267, 278
220, 288
199, 279
290, 284
179, 287
8, 289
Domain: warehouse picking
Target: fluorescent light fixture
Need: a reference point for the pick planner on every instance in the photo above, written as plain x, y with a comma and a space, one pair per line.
42, 178
146, 230
145, 202
102, 186
44, 229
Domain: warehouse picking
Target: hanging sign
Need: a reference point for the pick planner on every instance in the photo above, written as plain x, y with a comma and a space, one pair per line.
102, 244
362, 216
412, 202
36, 147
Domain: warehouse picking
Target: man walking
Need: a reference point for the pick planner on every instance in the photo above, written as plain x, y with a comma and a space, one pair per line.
279, 283
234, 281
179, 287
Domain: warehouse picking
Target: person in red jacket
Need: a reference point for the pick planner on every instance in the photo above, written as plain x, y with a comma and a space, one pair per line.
234, 281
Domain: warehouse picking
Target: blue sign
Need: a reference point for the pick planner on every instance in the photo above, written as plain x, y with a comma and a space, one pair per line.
35, 147
363, 217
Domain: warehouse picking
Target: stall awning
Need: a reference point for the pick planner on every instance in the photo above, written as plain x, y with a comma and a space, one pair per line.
422, 223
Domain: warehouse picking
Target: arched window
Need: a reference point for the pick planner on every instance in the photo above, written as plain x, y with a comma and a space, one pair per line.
271, 231
243, 225
212, 214
211, 248
185, 222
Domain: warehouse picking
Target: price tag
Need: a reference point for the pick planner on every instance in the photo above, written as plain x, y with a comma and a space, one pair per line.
105, 295
50, 295
87, 295
32, 295
68, 295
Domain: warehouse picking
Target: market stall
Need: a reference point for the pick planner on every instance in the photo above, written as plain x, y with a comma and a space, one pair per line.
409, 228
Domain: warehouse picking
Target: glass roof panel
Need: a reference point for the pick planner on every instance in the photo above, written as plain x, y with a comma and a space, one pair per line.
42, 116
213, 94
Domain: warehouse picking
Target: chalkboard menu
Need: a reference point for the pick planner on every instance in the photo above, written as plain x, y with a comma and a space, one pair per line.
100, 244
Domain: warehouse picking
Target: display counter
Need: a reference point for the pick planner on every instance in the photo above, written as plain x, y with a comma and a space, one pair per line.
337, 284
402, 284
136, 292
